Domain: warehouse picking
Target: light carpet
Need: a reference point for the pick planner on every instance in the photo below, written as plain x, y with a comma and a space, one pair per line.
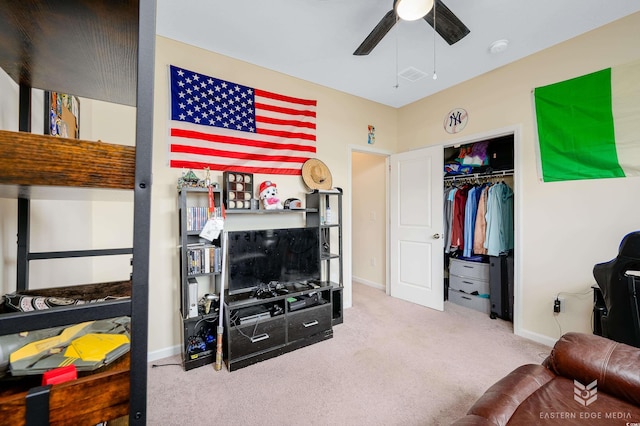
390, 363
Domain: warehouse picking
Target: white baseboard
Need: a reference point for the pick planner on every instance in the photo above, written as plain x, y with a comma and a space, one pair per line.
163, 353
369, 283
536, 337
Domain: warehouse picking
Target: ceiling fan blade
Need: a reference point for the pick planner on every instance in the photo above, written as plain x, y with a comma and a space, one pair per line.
450, 28
374, 37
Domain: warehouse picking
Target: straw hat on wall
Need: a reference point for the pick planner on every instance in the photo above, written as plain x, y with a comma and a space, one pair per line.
316, 174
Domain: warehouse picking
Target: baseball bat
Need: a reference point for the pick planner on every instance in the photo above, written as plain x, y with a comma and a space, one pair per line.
220, 329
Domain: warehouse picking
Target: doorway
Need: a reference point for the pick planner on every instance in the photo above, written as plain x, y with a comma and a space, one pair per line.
369, 213
479, 226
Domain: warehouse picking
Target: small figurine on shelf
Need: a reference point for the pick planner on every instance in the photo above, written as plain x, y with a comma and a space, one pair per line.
269, 196
188, 179
191, 180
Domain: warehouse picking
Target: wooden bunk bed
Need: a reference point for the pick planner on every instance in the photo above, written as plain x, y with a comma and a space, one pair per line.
103, 50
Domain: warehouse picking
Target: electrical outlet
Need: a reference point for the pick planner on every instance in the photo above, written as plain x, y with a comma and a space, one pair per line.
559, 305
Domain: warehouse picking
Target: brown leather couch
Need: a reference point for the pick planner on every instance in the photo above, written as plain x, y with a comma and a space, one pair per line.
562, 390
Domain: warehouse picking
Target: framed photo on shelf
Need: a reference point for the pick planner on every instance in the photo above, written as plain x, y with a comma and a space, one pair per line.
62, 115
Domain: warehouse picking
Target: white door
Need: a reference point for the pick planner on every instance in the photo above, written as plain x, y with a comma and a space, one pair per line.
416, 244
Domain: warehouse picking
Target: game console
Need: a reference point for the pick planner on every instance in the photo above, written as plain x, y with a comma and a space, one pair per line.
254, 318
250, 314
193, 298
299, 302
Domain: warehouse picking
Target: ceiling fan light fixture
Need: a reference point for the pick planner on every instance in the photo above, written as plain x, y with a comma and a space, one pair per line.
411, 10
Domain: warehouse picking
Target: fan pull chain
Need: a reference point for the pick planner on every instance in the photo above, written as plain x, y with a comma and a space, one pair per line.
435, 76
397, 79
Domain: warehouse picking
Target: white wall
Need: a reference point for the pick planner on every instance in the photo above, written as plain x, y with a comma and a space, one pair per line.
565, 227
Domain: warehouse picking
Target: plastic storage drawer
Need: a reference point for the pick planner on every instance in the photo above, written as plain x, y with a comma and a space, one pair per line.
477, 303
469, 285
467, 269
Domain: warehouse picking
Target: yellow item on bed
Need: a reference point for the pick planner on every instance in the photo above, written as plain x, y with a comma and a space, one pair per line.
95, 347
49, 344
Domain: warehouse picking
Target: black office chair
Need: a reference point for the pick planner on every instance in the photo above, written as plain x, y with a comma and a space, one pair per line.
619, 320
634, 291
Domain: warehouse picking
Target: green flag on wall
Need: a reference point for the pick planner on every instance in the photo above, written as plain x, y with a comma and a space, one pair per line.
589, 126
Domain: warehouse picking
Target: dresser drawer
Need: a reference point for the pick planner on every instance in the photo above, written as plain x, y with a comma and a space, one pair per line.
470, 301
469, 285
308, 322
255, 337
466, 269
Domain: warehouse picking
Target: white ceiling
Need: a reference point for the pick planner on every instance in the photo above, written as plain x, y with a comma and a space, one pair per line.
314, 40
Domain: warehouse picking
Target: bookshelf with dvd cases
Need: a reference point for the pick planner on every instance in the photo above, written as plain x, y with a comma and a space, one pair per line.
200, 268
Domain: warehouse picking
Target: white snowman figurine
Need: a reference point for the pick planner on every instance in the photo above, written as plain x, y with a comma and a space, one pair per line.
269, 196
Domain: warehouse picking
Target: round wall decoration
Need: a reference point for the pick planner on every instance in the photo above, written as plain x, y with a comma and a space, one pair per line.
456, 120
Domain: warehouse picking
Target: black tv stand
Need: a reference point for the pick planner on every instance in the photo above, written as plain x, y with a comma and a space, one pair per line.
290, 325
282, 330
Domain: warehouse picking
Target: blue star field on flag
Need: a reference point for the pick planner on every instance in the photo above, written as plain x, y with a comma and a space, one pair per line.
209, 101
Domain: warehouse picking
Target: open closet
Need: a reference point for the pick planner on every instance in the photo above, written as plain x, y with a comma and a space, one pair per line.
479, 225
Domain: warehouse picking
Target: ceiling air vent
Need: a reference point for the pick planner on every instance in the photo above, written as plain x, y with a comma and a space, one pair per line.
412, 74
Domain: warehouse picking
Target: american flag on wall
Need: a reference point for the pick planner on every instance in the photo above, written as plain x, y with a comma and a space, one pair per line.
228, 126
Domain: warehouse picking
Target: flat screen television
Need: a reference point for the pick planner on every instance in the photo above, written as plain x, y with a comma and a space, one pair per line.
260, 257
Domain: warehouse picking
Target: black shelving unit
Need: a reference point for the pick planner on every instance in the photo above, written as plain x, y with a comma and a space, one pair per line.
200, 266
325, 214
100, 50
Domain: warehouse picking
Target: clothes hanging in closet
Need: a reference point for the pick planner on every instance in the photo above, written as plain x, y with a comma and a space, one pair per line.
457, 228
470, 210
480, 231
478, 219
449, 195
499, 236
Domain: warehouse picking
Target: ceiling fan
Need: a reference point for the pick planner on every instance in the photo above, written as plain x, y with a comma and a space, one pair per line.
450, 28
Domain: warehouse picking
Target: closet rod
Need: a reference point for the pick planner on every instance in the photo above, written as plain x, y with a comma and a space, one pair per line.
498, 173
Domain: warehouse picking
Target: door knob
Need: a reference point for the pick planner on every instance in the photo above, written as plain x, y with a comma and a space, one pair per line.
436, 236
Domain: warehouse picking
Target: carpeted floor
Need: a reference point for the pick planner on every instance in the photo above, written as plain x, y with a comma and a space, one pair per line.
390, 363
